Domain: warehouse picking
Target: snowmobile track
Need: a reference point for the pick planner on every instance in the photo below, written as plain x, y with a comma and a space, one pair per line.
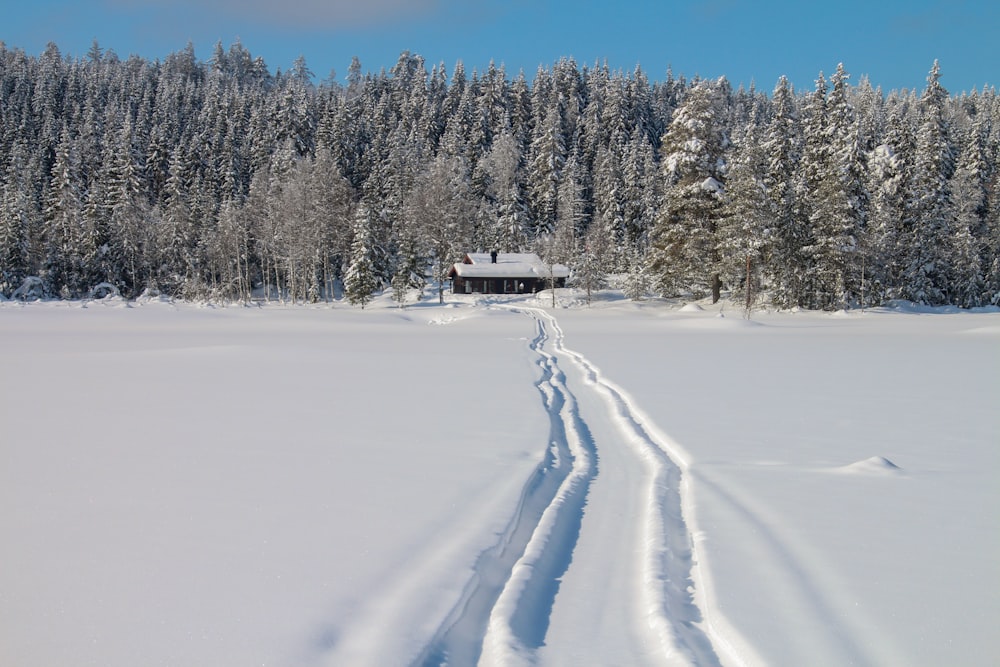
673, 616
504, 609
504, 613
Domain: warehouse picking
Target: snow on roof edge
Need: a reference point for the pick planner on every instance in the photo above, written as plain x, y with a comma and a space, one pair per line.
508, 265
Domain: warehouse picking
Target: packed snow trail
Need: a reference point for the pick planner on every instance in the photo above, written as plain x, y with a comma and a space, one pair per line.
503, 612
595, 566
629, 587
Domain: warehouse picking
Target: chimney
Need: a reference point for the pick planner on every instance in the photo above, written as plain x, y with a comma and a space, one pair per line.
493, 257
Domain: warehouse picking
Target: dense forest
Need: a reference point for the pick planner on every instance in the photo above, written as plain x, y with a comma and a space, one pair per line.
222, 180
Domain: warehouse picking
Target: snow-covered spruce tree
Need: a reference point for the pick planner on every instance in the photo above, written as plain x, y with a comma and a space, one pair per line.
783, 145
493, 103
172, 261
746, 227
609, 205
560, 246
506, 225
593, 131
809, 180
891, 217
641, 182
407, 275
684, 254
458, 139
969, 236
411, 261
361, 281
836, 203
636, 284
588, 267
926, 268
570, 210
547, 159
380, 196
640, 96
991, 238
68, 241
568, 87
15, 216
294, 111
128, 215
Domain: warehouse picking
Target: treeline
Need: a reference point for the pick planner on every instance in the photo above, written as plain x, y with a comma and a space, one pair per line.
219, 179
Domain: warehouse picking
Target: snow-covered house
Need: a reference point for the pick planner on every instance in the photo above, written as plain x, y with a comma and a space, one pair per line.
504, 273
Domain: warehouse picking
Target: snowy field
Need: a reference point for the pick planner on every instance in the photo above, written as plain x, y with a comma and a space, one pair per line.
505, 483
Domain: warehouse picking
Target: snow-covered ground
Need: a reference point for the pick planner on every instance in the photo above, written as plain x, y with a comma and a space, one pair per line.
498, 482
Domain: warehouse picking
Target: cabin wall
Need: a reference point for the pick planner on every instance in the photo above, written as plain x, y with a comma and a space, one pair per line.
496, 285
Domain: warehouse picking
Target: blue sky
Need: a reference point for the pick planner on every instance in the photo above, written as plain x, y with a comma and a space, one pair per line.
893, 42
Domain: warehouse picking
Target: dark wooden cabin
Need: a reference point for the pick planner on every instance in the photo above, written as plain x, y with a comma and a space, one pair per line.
504, 273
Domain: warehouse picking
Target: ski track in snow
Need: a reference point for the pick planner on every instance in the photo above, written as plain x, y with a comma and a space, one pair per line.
517, 622
502, 615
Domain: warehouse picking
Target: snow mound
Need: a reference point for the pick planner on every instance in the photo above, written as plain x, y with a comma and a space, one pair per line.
451, 315
31, 289
150, 295
105, 290
691, 308
442, 320
876, 465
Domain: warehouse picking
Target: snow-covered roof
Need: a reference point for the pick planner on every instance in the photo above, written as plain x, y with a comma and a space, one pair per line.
508, 265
